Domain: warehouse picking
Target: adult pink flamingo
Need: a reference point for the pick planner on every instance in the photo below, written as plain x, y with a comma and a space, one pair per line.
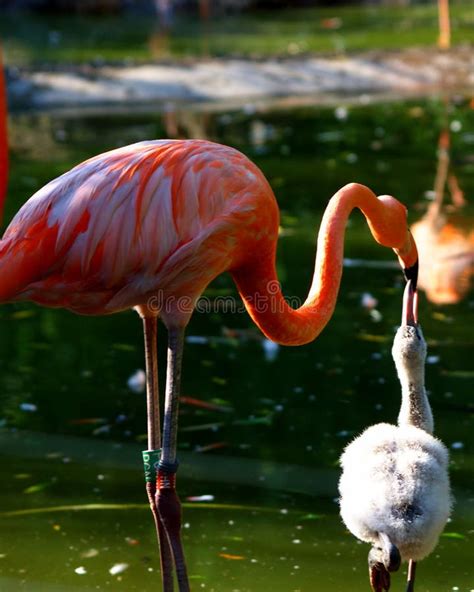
148, 226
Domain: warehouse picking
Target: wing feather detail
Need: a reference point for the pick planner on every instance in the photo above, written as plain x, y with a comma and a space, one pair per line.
112, 224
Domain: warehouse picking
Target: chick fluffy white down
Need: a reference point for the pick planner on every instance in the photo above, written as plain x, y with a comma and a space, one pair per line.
395, 480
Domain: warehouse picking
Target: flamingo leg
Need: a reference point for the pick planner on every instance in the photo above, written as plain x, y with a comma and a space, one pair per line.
167, 501
411, 576
444, 39
154, 443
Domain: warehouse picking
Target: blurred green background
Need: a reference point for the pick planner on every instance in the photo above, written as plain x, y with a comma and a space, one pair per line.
264, 442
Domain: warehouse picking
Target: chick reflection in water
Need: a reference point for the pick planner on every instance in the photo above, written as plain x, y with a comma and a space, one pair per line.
395, 488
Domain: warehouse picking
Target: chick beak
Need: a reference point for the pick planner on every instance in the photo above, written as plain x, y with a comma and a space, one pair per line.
410, 305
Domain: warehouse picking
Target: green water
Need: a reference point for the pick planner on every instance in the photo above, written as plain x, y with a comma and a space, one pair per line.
72, 496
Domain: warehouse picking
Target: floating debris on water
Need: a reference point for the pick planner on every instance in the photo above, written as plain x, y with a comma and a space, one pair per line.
37, 487
29, 407
118, 568
89, 553
457, 445
105, 429
373, 338
252, 420
126, 347
214, 426
455, 126
197, 339
341, 113
81, 571
368, 301
201, 498
270, 350
87, 421
219, 380
376, 315
205, 404
231, 557
213, 446
137, 381
312, 516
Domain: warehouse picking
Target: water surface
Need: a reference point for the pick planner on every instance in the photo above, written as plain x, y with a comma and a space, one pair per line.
72, 499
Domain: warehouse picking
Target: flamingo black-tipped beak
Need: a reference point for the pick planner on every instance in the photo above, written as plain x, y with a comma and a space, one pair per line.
407, 255
410, 305
411, 273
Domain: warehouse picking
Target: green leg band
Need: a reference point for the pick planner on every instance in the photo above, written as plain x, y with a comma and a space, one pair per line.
151, 460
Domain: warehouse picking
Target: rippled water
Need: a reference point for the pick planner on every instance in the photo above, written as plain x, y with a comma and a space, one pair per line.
72, 501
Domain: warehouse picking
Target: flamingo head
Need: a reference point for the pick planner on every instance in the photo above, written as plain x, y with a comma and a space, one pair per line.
391, 230
409, 345
384, 558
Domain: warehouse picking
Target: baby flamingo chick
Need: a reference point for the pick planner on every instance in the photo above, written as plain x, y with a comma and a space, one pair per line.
395, 487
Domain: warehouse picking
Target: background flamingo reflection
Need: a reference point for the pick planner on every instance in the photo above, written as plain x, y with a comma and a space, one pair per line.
445, 235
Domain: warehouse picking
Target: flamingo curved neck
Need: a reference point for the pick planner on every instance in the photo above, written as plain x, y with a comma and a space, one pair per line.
258, 283
415, 409
409, 354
